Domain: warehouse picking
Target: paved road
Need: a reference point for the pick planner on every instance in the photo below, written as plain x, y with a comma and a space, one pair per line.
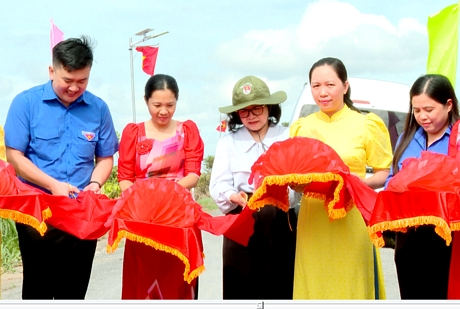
105, 281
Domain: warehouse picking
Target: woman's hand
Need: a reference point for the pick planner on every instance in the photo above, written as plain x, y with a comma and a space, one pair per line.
377, 180
298, 188
93, 187
240, 199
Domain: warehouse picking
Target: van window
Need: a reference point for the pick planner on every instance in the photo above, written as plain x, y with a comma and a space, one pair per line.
393, 120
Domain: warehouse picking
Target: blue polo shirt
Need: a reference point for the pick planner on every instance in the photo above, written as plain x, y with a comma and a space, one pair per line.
418, 144
62, 142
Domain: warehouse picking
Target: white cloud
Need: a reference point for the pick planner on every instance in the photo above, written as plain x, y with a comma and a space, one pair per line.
407, 25
369, 44
277, 41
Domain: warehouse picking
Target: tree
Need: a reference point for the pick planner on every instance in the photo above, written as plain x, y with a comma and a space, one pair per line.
208, 163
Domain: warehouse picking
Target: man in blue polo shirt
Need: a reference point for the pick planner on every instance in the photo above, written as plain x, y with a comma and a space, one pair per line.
60, 138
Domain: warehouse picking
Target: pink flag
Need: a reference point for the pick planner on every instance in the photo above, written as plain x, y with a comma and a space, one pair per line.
56, 35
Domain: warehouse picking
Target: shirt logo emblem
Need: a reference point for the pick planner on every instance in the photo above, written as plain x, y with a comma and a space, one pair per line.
89, 135
247, 88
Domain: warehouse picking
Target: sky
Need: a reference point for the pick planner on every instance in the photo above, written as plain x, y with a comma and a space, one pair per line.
212, 44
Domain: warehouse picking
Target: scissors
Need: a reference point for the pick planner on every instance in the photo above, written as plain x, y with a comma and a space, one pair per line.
71, 192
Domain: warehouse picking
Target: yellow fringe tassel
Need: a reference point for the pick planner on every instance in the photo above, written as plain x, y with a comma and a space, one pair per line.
285, 180
317, 196
46, 213
188, 276
27, 219
455, 226
254, 203
441, 227
379, 242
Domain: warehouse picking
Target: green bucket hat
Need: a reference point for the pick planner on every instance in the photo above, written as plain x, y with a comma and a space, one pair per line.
251, 90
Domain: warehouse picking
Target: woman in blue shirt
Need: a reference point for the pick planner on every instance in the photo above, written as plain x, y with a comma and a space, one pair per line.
421, 256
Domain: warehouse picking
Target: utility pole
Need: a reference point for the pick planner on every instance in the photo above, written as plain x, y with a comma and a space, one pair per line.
142, 33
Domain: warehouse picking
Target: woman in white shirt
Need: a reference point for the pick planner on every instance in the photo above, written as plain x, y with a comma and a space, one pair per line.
265, 268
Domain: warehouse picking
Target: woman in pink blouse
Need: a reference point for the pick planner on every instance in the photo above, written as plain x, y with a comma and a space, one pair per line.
165, 148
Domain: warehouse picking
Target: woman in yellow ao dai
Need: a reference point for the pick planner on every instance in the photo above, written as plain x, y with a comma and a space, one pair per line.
336, 259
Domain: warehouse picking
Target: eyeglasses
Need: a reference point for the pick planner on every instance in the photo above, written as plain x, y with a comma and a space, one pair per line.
256, 111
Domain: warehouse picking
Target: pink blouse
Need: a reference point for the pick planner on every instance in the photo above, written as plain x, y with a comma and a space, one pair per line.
173, 158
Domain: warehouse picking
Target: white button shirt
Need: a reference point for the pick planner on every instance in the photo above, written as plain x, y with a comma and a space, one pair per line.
235, 154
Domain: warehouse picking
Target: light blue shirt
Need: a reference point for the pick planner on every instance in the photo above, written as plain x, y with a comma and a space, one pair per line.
62, 142
418, 144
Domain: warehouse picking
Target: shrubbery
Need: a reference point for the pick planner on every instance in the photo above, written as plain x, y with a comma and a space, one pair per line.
111, 187
202, 188
11, 257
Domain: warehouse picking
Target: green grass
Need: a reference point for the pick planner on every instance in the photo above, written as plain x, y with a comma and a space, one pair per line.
208, 204
11, 257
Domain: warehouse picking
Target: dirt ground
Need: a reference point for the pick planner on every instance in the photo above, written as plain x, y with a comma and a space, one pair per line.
12, 279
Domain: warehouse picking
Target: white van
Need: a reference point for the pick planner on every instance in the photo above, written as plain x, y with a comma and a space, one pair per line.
390, 101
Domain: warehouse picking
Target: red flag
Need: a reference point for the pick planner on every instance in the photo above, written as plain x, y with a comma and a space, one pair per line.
56, 35
222, 127
149, 58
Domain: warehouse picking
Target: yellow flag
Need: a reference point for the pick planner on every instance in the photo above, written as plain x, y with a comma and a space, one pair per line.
2, 145
443, 42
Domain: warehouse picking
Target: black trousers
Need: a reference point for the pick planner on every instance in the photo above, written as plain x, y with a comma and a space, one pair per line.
55, 266
265, 268
422, 262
